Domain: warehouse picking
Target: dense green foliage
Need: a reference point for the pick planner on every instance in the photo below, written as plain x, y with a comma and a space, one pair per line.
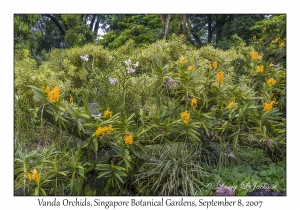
48, 31
143, 29
136, 114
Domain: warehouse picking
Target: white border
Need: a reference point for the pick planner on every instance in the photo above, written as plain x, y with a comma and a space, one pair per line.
8, 8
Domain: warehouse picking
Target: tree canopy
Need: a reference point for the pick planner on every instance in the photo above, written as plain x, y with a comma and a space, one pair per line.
38, 32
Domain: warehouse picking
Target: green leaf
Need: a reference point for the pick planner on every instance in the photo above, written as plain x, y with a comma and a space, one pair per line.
263, 173
95, 143
119, 178
43, 191
101, 174
62, 173
36, 191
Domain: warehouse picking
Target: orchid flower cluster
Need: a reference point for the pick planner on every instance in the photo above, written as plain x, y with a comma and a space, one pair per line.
131, 70
112, 81
85, 58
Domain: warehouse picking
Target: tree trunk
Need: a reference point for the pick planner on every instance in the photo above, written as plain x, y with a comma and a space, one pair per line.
56, 23
209, 31
66, 27
167, 27
163, 20
92, 22
97, 25
184, 28
194, 34
269, 40
220, 21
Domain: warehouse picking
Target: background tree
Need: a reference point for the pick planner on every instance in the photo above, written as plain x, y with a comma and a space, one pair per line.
48, 31
217, 29
143, 29
25, 35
